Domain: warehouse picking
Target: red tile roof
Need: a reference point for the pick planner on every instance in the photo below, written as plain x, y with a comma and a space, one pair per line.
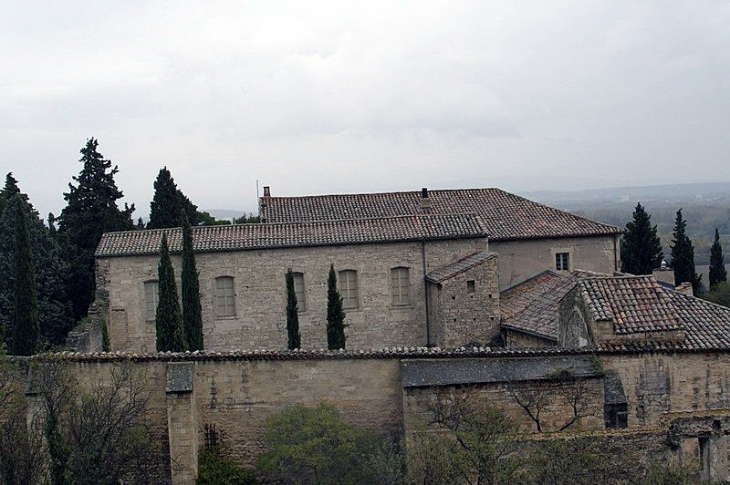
506, 216
450, 270
241, 237
532, 306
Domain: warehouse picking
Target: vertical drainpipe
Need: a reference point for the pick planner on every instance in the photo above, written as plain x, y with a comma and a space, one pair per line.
425, 292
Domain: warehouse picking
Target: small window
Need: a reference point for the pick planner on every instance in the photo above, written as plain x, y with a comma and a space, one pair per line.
616, 415
348, 288
151, 298
562, 261
471, 286
299, 291
225, 297
401, 286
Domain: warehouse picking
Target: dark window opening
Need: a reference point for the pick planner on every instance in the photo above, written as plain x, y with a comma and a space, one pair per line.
471, 286
616, 415
562, 261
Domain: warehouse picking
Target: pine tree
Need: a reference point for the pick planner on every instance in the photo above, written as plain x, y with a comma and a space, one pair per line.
641, 249
91, 210
335, 314
51, 271
168, 201
168, 319
25, 327
718, 274
683, 256
292, 313
191, 309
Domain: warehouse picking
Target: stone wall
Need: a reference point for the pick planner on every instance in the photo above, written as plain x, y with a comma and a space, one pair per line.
260, 318
522, 259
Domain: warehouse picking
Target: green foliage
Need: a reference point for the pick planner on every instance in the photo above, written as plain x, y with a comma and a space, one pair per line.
105, 345
247, 219
25, 337
335, 314
683, 255
168, 319
214, 468
192, 313
641, 249
314, 445
720, 294
292, 313
718, 273
55, 313
167, 202
468, 441
91, 210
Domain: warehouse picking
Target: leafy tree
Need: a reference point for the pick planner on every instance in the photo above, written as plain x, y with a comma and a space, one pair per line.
54, 309
91, 210
335, 314
215, 468
719, 294
315, 445
247, 219
641, 249
192, 313
683, 256
292, 313
718, 274
25, 338
168, 202
168, 319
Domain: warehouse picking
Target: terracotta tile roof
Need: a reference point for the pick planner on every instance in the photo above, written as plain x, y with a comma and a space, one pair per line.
450, 270
633, 303
506, 216
532, 306
298, 234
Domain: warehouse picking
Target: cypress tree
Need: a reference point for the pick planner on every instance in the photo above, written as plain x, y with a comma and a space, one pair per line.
168, 319
168, 201
335, 314
292, 313
718, 274
91, 210
25, 327
641, 249
191, 309
683, 256
55, 314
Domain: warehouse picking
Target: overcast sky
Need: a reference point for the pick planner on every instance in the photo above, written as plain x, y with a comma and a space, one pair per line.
314, 97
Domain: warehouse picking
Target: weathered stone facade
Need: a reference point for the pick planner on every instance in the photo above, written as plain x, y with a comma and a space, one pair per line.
260, 319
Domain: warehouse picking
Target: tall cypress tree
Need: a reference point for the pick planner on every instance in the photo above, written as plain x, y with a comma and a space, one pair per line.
641, 249
25, 327
683, 256
168, 319
191, 309
718, 274
91, 210
292, 313
54, 309
335, 314
168, 201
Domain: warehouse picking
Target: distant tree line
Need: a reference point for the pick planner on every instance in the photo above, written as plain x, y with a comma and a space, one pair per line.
48, 269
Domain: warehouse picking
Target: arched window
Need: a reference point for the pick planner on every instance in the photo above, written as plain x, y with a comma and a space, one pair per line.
151, 298
348, 288
225, 297
400, 286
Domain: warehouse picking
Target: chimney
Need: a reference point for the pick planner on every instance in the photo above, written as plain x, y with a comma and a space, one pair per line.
424, 201
267, 191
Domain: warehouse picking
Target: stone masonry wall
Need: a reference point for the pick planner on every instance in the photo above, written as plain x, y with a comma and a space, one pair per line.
260, 320
520, 260
468, 308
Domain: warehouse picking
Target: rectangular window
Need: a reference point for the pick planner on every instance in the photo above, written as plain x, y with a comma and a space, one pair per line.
151, 298
562, 261
348, 288
471, 286
299, 291
616, 415
225, 297
401, 286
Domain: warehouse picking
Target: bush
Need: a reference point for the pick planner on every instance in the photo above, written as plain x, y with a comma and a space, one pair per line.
216, 469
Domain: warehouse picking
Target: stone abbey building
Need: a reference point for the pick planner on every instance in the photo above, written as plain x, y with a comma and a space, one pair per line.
442, 290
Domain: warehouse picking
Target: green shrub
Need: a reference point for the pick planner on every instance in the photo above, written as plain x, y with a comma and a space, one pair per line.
216, 469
